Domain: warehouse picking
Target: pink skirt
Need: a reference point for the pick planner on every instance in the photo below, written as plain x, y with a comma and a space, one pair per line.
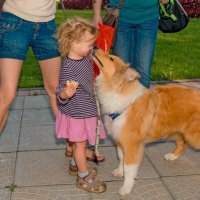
78, 130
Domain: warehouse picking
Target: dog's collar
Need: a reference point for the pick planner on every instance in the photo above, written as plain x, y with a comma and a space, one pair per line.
114, 115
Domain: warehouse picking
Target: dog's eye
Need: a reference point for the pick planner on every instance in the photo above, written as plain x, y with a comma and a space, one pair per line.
111, 59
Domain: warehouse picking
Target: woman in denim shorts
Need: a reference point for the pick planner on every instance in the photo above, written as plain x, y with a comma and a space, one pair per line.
25, 24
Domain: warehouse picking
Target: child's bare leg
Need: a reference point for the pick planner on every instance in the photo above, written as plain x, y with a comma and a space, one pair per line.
69, 148
89, 153
86, 178
80, 156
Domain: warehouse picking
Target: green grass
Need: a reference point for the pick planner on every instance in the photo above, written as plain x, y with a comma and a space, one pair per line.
177, 55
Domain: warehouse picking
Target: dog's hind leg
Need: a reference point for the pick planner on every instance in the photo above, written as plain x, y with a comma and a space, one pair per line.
119, 172
132, 158
180, 147
192, 131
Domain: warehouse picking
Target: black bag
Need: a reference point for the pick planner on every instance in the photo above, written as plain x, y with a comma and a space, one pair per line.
111, 18
173, 17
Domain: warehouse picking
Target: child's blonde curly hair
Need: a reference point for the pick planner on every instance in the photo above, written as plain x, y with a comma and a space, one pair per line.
73, 30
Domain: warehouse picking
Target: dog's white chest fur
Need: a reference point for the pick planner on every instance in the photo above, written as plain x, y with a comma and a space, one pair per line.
114, 102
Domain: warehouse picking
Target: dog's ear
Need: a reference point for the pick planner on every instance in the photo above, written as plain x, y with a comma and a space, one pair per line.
131, 74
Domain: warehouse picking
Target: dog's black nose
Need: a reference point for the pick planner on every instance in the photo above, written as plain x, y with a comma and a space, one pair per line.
96, 47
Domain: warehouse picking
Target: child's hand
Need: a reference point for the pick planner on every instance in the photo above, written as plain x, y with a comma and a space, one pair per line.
70, 90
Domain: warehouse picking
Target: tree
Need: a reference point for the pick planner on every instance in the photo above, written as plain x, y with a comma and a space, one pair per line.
192, 7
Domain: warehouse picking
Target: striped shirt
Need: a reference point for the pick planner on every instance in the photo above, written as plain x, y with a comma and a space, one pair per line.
83, 103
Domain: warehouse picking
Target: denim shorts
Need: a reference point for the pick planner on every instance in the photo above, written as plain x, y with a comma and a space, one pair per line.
17, 35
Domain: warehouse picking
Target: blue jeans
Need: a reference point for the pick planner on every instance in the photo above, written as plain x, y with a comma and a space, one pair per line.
17, 35
135, 44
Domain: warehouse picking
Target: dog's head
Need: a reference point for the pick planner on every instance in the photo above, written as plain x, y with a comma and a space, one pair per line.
113, 69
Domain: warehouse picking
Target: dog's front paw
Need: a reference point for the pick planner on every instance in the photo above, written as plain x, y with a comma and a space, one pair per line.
124, 190
118, 172
170, 156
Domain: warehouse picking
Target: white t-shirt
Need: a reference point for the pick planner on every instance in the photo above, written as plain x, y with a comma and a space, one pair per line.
32, 10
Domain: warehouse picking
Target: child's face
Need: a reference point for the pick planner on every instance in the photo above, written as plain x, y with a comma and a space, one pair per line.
84, 46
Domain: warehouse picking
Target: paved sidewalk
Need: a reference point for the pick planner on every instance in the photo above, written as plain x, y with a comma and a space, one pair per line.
33, 165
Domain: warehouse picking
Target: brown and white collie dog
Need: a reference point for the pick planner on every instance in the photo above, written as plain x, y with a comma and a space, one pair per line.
144, 115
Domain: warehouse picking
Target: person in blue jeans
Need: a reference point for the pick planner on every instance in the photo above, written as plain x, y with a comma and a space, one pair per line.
136, 34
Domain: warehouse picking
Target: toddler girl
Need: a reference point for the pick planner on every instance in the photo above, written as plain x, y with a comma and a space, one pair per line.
77, 118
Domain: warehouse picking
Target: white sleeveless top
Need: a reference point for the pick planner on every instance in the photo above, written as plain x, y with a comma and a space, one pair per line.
32, 10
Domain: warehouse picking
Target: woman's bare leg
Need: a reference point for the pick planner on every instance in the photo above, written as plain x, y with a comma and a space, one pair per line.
9, 75
50, 71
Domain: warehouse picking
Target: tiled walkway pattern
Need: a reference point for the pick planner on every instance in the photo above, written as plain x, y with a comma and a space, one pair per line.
33, 165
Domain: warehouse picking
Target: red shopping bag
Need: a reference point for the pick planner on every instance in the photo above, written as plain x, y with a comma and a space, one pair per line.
104, 41
105, 37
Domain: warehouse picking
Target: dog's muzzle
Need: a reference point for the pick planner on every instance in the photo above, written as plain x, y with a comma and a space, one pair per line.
93, 55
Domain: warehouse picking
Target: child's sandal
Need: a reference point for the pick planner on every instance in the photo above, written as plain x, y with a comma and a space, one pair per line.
68, 154
89, 157
95, 158
91, 183
73, 170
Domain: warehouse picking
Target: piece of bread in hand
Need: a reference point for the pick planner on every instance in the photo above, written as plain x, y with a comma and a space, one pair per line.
71, 82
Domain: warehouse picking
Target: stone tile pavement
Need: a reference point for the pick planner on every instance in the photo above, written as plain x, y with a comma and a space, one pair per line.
33, 165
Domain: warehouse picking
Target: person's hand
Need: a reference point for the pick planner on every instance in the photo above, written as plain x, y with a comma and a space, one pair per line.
164, 1
68, 92
96, 20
